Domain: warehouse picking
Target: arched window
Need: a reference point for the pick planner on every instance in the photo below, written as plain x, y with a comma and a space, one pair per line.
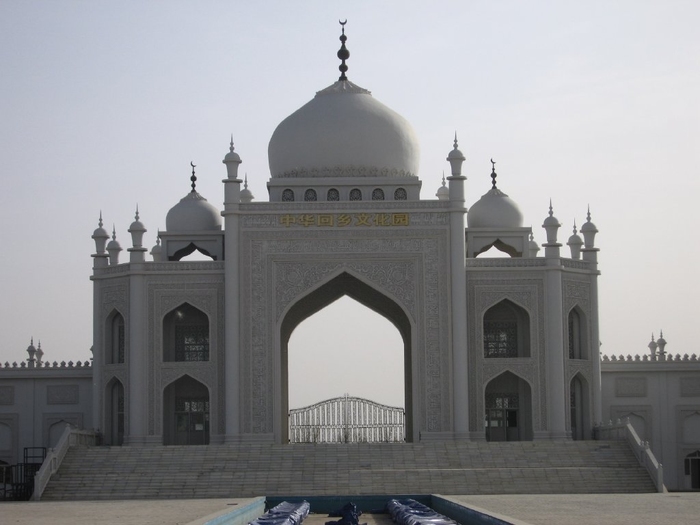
506, 331
115, 341
186, 335
400, 194
578, 340
377, 194
355, 194
333, 195
310, 195
288, 195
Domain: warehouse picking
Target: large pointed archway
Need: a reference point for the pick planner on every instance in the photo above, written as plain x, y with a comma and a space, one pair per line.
342, 285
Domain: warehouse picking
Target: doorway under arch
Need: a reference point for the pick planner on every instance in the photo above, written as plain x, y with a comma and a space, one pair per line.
186, 412
352, 287
579, 406
114, 413
508, 403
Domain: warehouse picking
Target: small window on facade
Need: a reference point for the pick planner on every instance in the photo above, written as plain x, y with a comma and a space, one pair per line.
191, 343
577, 335
333, 195
116, 342
355, 195
186, 335
506, 331
500, 339
288, 195
400, 194
310, 195
378, 194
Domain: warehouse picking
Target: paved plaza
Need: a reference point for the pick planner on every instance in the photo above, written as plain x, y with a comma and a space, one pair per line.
559, 509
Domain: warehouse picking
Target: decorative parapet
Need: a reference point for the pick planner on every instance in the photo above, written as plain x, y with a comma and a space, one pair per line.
621, 431
71, 437
69, 365
503, 262
668, 358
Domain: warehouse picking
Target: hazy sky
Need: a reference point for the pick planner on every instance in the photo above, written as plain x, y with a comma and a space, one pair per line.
104, 104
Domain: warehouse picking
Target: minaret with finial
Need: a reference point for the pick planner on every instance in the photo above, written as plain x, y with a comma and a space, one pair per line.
100, 237
343, 53
137, 252
458, 283
551, 225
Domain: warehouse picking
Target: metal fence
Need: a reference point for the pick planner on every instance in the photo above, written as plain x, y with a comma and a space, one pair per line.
347, 420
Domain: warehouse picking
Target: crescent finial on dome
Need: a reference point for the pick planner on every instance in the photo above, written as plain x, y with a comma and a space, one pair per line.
193, 178
493, 174
343, 53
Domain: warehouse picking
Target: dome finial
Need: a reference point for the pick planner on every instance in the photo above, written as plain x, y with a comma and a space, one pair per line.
100, 221
193, 178
343, 53
493, 173
551, 210
455, 144
136, 217
245, 182
230, 148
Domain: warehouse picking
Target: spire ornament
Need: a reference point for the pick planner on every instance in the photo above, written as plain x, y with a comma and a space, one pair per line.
193, 178
493, 174
343, 53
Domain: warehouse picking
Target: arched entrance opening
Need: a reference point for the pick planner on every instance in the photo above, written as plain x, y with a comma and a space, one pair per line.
508, 403
579, 408
186, 412
114, 413
355, 289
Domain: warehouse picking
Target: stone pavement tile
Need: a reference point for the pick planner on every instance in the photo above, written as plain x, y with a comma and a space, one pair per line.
609, 509
160, 512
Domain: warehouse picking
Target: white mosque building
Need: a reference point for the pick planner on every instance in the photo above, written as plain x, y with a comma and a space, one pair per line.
497, 349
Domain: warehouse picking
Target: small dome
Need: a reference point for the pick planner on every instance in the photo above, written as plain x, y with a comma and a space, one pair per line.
344, 132
575, 239
443, 192
193, 213
113, 245
495, 210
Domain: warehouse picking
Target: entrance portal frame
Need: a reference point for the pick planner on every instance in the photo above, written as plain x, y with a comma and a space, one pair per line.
281, 264
346, 283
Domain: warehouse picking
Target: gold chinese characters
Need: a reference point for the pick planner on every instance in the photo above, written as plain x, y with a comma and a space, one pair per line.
341, 220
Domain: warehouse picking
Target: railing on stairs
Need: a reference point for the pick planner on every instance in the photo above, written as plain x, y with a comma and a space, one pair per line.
621, 431
71, 437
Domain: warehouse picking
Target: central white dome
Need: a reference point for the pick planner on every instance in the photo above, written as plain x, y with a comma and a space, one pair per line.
344, 132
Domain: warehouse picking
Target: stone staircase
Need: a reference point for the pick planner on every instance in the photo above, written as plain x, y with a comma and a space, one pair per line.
244, 470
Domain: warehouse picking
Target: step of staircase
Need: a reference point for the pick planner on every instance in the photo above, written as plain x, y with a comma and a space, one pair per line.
245, 470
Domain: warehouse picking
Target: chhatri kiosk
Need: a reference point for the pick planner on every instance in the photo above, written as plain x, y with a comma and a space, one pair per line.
195, 352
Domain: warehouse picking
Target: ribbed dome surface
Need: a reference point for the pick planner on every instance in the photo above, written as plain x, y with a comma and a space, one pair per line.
495, 210
344, 132
193, 213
